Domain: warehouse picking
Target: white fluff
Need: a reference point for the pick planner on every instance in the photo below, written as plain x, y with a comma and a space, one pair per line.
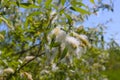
59, 34
8, 70
72, 41
78, 52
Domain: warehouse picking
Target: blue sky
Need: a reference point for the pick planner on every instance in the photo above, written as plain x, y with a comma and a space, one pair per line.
113, 27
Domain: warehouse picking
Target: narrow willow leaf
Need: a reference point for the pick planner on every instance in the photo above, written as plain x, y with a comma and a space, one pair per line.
0, 21
74, 3
18, 3
55, 44
72, 8
69, 18
35, 13
28, 5
1, 37
92, 1
47, 3
30, 16
82, 11
7, 22
26, 22
64, 53
15, 3
24, 5
55, 7
39, 1
63, 2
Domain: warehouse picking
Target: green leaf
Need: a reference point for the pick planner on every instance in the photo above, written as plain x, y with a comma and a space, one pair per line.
39, 1
28, 5
64, 53
30, 17
26, 22
35, 13
47, 3
1, 37
69, 18
18, 3
7, 22
92, 1
82, 11
56, 44
74, 3
55, 7
63, 2
33, 1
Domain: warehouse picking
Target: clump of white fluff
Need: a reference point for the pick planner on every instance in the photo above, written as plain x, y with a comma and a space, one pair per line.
58, 33
8, 70
82, 38
74, 43
71, 41
74, 46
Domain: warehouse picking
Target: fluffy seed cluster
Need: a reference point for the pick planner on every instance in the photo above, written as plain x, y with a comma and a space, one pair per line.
8, 70
75, 44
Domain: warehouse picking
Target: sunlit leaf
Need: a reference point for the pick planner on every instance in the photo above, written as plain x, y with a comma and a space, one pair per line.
28, 5
39, 1
69, 18
6, 21
54, 44
1, 37
35, 13
82, 11
29, 17
63, 2
75, 3
47, 3
55, 7
92, 1
18, 3
64, 53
